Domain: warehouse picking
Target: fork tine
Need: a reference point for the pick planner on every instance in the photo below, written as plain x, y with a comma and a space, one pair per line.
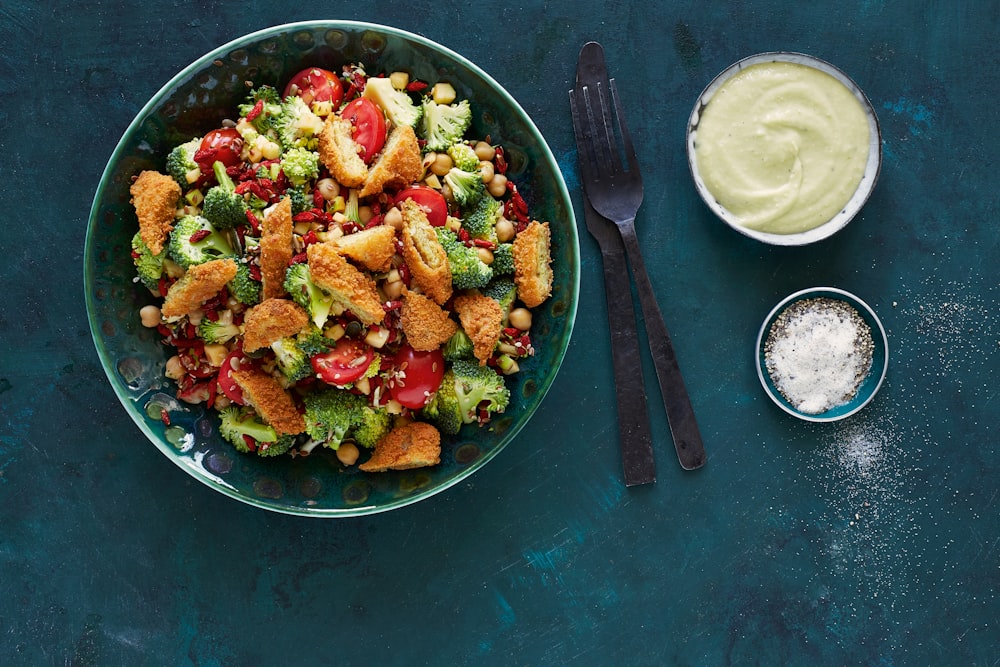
583, 128
604, 134
629, 150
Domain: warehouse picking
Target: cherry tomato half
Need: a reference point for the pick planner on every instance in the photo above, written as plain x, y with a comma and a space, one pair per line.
345, 363
418, 376
226, 382
369, 126
428, 199
316, 85
223, 145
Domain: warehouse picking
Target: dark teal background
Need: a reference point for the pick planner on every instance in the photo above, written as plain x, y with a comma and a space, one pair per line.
870, 541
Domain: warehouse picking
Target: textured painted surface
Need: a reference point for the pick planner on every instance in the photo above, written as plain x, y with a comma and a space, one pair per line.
872, 541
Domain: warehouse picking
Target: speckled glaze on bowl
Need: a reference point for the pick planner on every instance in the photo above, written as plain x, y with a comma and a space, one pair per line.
872, 382
197, 100
861, 194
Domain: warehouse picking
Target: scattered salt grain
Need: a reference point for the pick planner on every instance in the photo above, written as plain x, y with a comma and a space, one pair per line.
818, 352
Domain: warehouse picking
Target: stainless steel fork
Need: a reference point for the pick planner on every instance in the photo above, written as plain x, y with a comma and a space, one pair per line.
613, 187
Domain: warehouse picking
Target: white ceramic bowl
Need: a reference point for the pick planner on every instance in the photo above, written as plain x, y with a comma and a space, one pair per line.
853, 205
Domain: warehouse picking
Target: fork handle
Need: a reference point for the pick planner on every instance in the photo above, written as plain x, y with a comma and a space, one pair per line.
633, 419
676, 402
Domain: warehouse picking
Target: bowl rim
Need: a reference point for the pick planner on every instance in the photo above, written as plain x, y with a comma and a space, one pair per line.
543, 384
878, 338
866, 186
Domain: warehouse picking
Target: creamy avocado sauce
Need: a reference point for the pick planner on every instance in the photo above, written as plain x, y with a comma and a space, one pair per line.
782, 146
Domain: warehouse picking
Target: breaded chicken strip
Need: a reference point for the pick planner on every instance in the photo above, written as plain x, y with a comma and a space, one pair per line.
426, 259
270, 321
276, 248
413, 445
155, 196
340, 153
482, 319
426, 324
269, 398
399, 164
371, 248
532, 264
199, 284
351, 289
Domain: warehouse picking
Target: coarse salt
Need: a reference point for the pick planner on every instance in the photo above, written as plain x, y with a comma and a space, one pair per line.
818, 352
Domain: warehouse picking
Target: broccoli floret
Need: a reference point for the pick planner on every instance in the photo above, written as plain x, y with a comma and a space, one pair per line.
148, 267
330, 414
480, 221
444, 124
503, 291
464, 157
503, 259
265, 121
468, 393
374, 423
195, 241
468, 271
396, 104
217, 331
236, 422
299, 284
352, 207
181, 165
302, 199
297, 125
293, 354
223, 207
246, 290
459, 346
478, 388
466, 186
300, 165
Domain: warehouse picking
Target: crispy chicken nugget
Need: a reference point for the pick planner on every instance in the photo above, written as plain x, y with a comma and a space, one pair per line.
276, 248
263, 391
399, 164
482, 319
426, 324
155, 196
372, 248
413, 445
340, 153
199, 284
426, 259
270, 321
351, 289
533, 264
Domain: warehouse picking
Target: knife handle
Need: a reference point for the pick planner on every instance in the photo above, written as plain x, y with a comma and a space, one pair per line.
676, 402
633, 419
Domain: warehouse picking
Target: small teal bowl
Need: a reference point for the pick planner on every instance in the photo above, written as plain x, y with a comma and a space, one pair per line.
872, 382
195, 101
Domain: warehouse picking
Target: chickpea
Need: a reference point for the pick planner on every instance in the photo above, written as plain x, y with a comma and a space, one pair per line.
393, 289
505, 230
329, 188
485, 255
484, 151
365, 214
174, 369
454, 224
348, 453
150, 316
487, 171
498, 186
394, 218
520, 318
442, 164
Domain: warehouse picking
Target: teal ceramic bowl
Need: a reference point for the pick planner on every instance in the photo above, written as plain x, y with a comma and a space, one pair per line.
195, 101
868, 387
